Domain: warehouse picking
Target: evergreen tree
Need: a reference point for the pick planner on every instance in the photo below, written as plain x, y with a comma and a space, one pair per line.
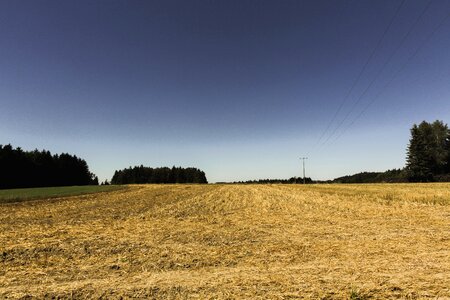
94, 180
428, 151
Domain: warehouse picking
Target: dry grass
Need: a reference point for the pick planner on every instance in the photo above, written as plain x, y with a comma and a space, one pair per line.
231, 241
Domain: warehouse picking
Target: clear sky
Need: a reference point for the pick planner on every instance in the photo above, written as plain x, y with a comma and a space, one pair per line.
240, 89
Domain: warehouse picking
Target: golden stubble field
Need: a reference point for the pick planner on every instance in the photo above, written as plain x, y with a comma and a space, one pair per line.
231, 241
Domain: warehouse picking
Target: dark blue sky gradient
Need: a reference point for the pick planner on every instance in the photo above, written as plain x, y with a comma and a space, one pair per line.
240, 89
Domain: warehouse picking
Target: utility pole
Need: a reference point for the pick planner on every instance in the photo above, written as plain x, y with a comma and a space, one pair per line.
303, 159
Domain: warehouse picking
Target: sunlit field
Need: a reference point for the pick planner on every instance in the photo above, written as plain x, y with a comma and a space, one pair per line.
231, 241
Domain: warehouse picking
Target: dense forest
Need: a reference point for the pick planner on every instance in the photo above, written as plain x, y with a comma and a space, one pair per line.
22, 169
141, 174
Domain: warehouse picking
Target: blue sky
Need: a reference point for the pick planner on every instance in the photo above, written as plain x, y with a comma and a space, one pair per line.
240, 89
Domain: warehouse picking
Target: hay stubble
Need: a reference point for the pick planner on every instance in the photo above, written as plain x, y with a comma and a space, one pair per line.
230, 241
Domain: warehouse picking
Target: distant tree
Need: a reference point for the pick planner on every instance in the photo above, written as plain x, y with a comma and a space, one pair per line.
428, 151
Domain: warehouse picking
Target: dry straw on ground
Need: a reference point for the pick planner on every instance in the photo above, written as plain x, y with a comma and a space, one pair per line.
231, 241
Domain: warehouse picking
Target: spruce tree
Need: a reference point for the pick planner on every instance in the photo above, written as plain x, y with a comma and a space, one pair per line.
428, 151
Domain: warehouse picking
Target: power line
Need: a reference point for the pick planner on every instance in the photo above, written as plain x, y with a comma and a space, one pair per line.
411, 57
380, 71
358, 78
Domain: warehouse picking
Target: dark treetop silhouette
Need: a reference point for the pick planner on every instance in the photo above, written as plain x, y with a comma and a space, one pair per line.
22, 169
141, 174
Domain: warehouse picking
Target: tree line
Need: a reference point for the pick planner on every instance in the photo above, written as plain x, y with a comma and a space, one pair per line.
428, 158
277, 181
22, 169
394, 175
141, 174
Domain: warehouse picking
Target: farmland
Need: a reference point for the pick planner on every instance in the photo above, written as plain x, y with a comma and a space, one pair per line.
231, 241
18, 195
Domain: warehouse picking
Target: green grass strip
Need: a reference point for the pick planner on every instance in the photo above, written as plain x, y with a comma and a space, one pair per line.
19, 195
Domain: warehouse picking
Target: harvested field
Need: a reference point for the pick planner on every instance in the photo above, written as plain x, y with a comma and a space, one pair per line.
231, 241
